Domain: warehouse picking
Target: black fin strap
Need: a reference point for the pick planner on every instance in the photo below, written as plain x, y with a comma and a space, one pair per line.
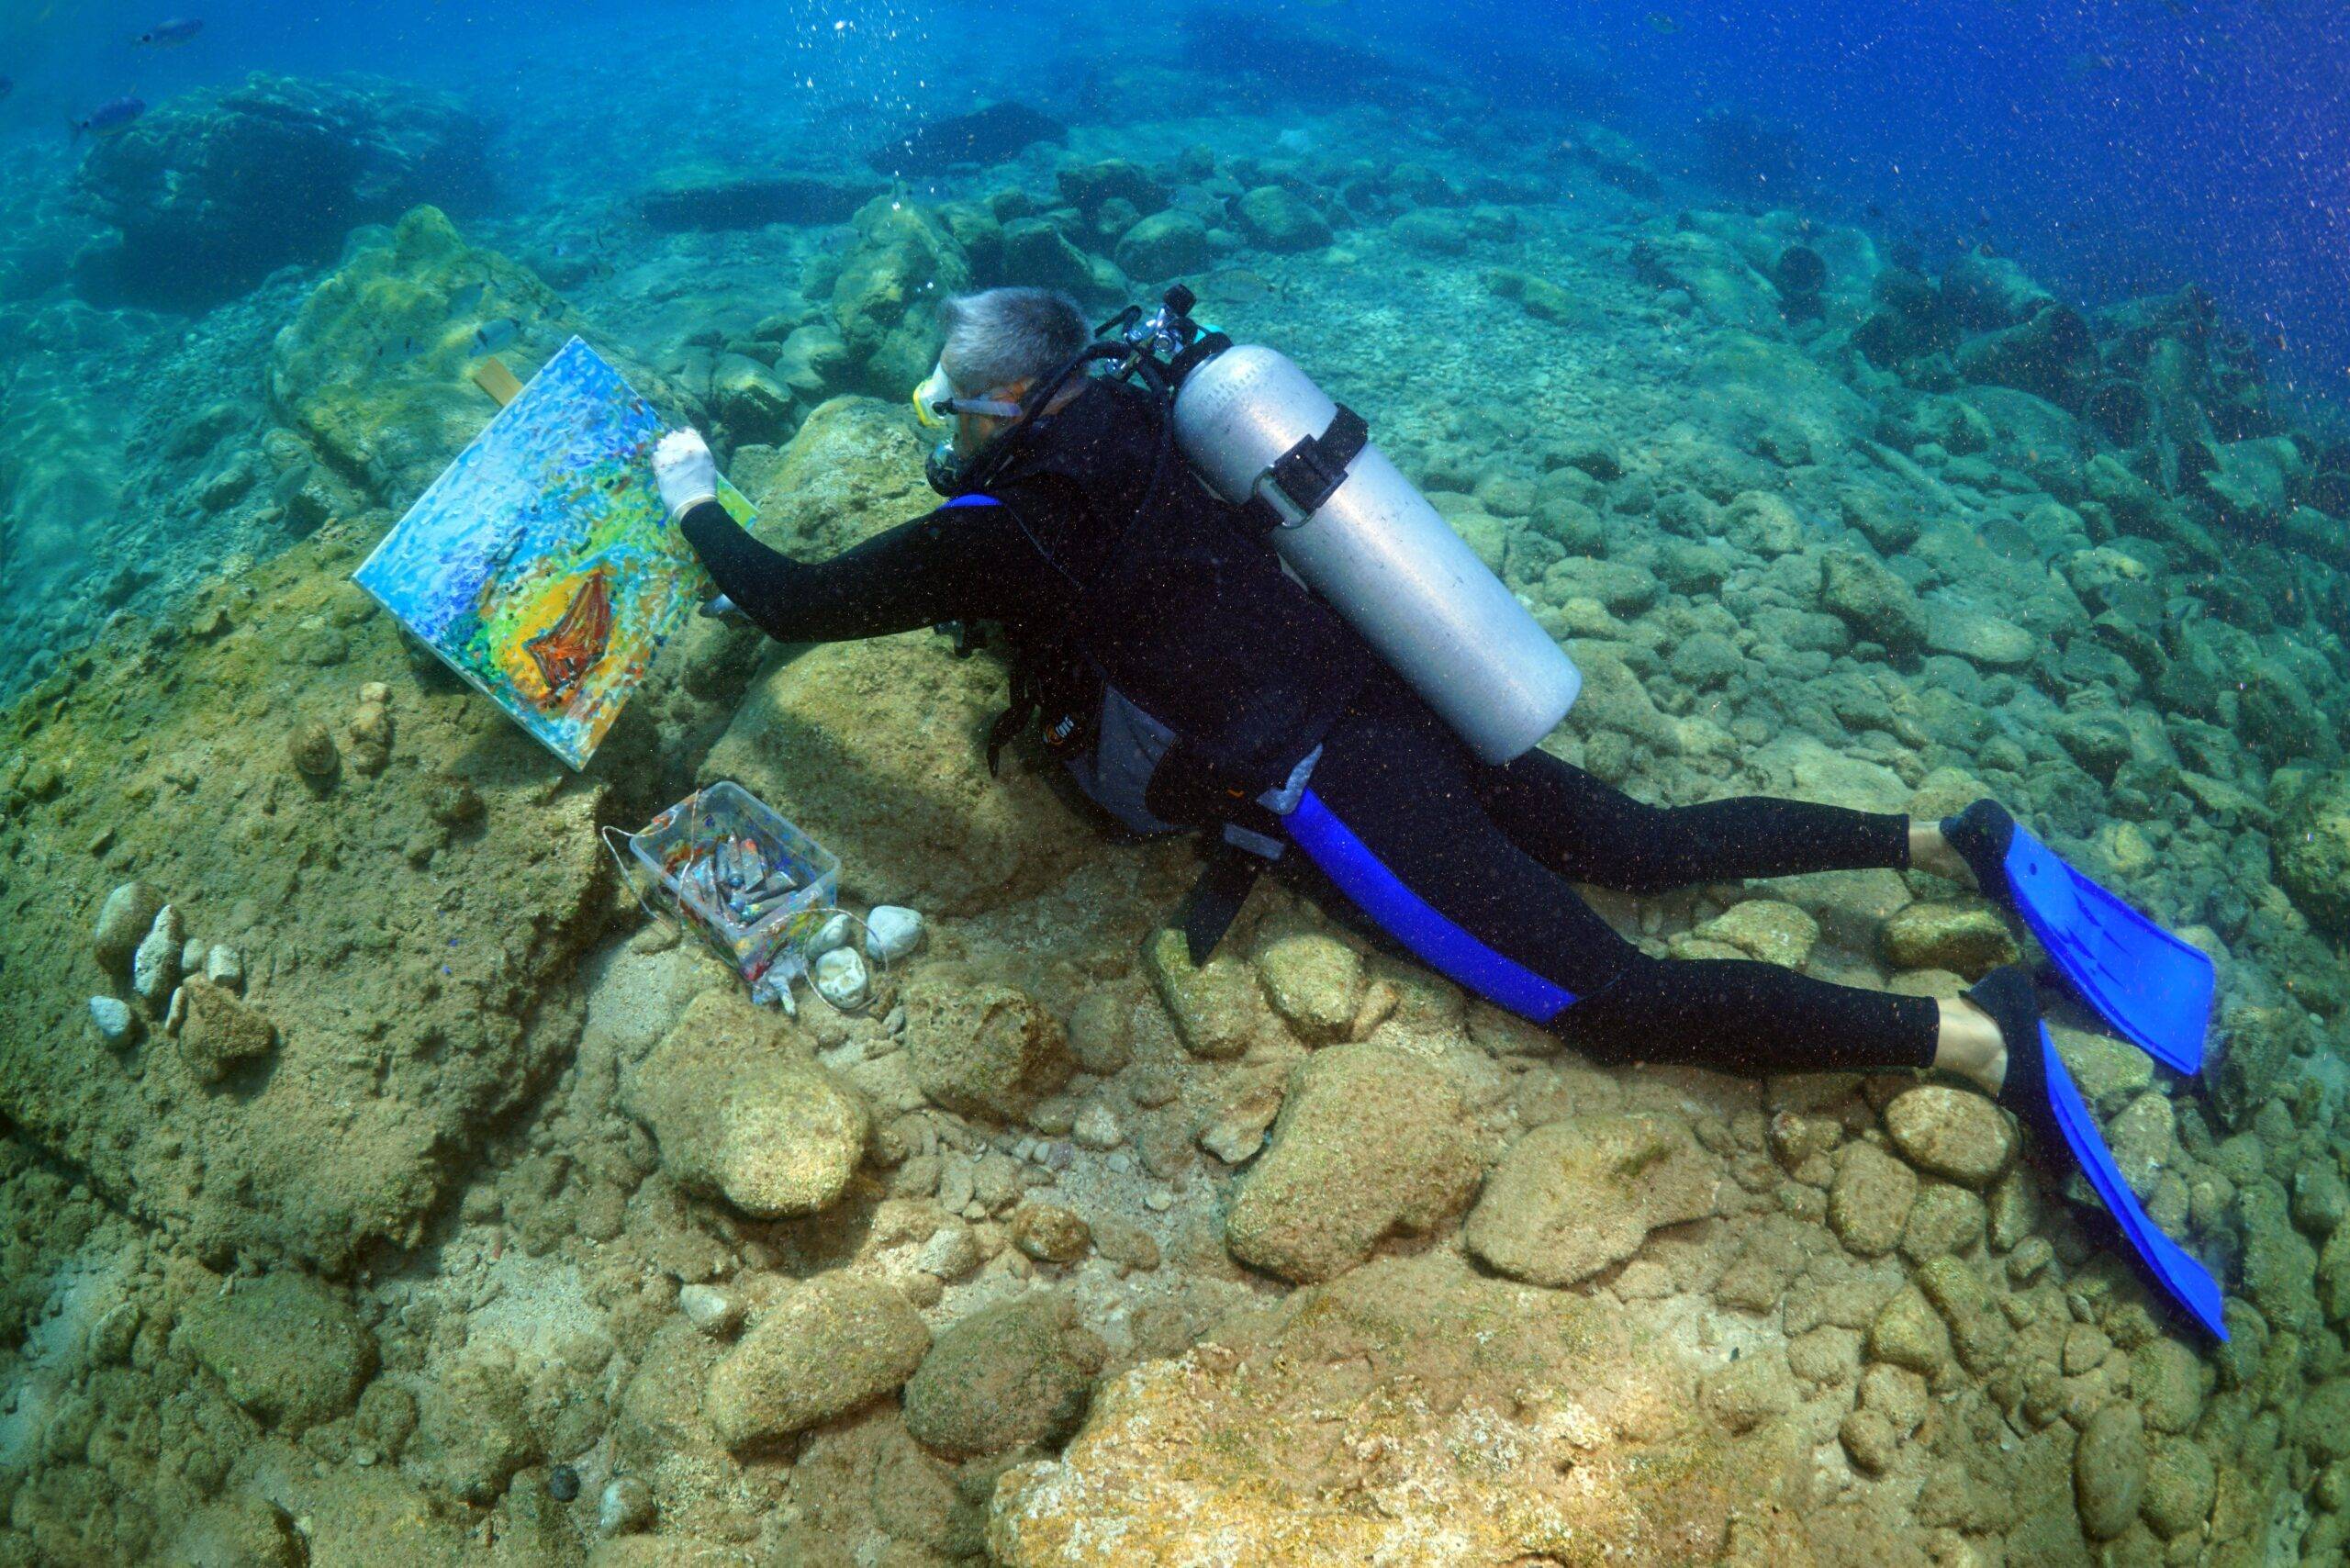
1216, 898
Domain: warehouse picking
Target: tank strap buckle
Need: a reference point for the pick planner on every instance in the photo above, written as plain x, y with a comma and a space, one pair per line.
1309, 473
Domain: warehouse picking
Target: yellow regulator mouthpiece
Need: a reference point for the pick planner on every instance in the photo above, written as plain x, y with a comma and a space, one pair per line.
930, 395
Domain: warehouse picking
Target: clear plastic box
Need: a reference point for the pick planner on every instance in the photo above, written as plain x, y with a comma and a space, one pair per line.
716, 854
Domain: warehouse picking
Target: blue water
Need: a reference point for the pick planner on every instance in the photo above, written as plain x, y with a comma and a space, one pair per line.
1716, 330
2115, 147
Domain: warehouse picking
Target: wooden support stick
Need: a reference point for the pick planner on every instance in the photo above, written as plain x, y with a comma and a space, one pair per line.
492, 377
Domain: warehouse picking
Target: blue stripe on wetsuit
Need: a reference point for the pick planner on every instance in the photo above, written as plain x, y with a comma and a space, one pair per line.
972, 500
1440, 944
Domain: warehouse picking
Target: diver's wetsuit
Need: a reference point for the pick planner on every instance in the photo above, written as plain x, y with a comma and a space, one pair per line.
1466, 864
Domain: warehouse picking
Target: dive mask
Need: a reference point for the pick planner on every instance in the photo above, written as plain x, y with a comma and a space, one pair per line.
935, 402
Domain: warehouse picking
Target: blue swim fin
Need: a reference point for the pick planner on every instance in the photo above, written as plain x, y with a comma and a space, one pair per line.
2154, 988
2041, 1094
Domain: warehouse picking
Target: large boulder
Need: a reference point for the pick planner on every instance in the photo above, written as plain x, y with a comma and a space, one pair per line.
1411, 1412
1370, 1141
734, 1111
885, 300
837, 1342
1279, 219
220, 186
375, 369
1005, 1376
1164, 245
395, 1047
879, 748
853, 469
1573, 1197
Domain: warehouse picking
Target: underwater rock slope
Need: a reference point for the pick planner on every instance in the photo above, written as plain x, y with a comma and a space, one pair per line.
381, 1187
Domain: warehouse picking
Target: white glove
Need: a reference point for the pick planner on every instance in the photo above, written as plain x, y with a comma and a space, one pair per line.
684, 470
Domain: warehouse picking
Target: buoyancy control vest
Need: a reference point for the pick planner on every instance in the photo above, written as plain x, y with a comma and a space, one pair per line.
1192, 675
1243, 558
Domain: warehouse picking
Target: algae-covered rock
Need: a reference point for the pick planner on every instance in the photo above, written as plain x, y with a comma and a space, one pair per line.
1314, 982
1969, 939
878, 746
983, 1049
473, 1433
2181, 1482
734, 1111
2312, 848
375, 369
1164, 245
1976, 635
285, 1347
1765, 929
1868, 1206
1871, 600
1278, 218
1214, 1006
1573, 1196
832, 1345
885, 300
220, 186
239, 1531
1564, 1435
2109, 1470
1005, 1376
221, 1031
1049, 1233
1952, 1133
1370, 1141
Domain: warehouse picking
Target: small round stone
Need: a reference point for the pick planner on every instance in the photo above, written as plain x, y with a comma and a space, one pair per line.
563, 1483
311, 747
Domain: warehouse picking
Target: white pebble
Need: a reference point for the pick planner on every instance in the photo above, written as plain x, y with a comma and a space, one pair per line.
715, 1312
892, 932
841, 980
833, 933
1158, 1200
627, 1504
192, 955
176, 1014
375, 692
113, 1017
951, 1253
1122, 1162
1097, 1128
155, 968
225, 967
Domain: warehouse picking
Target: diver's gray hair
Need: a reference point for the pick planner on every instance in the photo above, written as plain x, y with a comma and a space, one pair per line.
1000, 336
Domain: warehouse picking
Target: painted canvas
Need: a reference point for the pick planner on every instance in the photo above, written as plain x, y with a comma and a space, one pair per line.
540, 563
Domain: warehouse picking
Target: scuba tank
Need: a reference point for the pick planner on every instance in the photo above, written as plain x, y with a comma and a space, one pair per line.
1347, 522
1339, 515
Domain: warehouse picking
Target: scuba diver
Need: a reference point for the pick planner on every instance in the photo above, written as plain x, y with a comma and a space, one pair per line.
1147, 541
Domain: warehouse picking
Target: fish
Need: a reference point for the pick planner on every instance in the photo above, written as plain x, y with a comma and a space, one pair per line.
491, 336
407, 349
1658, 22
172, 34
463, 302
2089, 65
110, 118
567, 649
988, 136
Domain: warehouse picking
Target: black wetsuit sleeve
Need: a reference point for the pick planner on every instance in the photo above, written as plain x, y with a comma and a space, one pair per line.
955, 563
